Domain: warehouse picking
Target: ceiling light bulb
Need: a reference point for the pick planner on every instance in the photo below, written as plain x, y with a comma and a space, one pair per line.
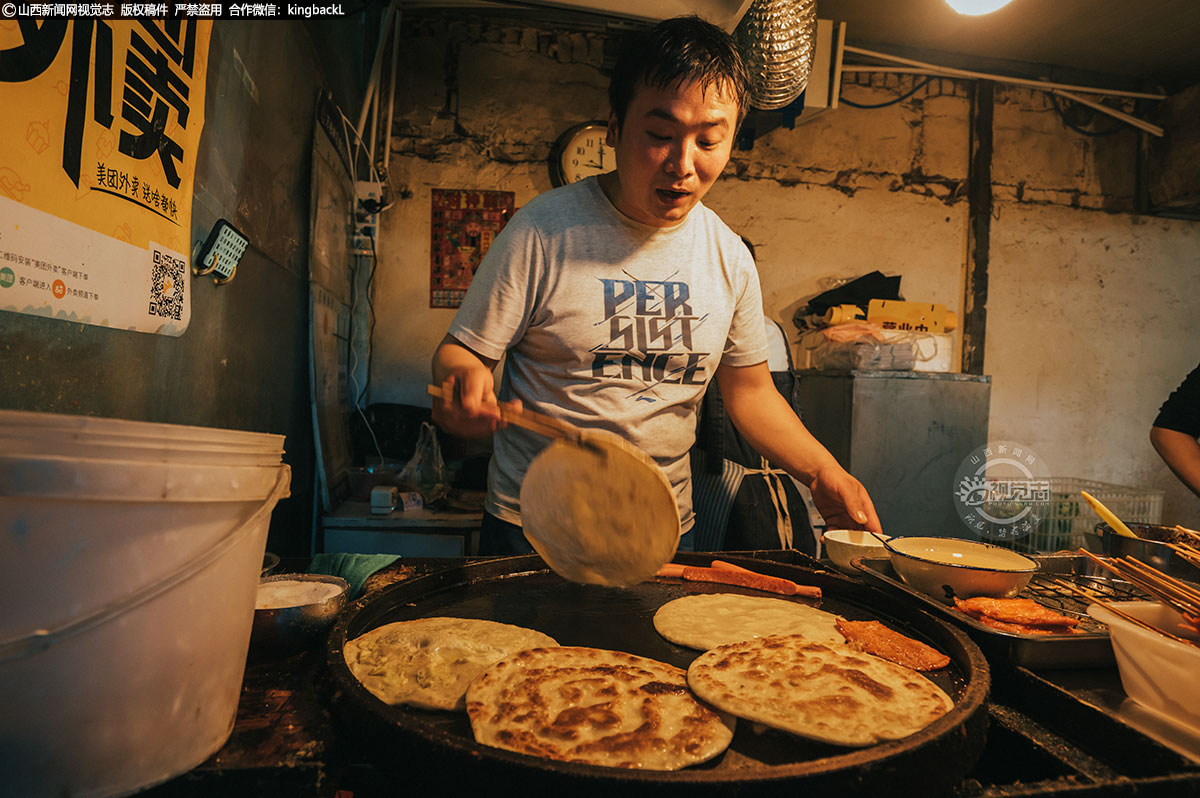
975, 8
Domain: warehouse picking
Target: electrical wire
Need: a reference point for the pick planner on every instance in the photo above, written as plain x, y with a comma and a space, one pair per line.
1062, 112
371, 308
900, 99
353, 150
1067, 91
359, 393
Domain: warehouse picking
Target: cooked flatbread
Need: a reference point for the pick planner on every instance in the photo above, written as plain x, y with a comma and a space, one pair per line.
600, 513
823, 691
597, 707
429, 662
708, 620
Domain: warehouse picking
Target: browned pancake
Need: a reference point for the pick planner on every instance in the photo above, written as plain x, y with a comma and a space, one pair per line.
823, 691
597, 707
428, 662
707, 620
601, 512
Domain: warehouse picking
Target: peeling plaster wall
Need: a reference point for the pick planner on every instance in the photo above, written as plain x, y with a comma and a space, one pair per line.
1089, 309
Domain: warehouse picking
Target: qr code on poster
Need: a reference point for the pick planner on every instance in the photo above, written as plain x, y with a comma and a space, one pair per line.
167, 284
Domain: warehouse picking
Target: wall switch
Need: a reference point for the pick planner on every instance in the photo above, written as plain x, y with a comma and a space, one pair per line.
221, 252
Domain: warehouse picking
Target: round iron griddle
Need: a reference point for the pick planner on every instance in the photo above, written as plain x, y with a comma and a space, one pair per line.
437, 749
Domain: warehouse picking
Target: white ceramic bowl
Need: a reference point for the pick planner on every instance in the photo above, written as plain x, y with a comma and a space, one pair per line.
843, 545
935, 566
1157, 672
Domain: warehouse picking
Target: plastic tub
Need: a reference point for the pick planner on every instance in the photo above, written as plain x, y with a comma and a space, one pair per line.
128, 567
1157, 672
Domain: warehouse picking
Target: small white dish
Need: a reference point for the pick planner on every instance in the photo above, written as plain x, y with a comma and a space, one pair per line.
843, 545
938, 566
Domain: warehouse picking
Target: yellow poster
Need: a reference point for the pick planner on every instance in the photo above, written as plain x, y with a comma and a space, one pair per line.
99, 126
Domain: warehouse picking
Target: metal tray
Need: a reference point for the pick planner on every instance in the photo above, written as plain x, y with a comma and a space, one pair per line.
1089, 647
522, 591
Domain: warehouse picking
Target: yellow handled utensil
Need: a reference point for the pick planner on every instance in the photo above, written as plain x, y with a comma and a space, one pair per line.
1107, 516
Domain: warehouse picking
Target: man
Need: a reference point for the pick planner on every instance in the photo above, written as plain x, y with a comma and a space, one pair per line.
616, 299
1176, 429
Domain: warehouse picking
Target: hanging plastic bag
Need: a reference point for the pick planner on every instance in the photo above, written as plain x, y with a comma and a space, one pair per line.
426, 471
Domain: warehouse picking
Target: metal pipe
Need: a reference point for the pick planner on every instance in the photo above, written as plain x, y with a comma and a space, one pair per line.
1153, 130
387, 134
366, 106
892, 70
966, 73
839, 54
374, 121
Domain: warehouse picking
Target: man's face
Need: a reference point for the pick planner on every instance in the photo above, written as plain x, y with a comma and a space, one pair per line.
671, 149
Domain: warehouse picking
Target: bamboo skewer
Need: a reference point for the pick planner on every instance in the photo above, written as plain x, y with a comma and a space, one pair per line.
1115, 611
1172, 592
1189, 553
1167, 588
1183, 593
1189, 532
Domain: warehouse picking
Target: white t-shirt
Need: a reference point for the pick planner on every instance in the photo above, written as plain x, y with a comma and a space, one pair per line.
610, 324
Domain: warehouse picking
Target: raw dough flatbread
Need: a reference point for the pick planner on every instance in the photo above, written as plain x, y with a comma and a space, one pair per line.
600, 513
595, 706
822, 691
429, 662
708, 620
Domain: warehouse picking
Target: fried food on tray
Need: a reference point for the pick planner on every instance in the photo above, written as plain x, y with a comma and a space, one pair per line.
875, 638
1017, 628
1017, 615
1026, 612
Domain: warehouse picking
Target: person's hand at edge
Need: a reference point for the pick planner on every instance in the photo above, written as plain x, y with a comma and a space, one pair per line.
843, 501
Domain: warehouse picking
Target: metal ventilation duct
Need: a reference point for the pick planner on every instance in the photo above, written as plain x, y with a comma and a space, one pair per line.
778, 38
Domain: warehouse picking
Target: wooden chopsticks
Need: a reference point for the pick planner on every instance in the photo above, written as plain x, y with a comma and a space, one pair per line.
1179, 595
1115, 611
528, 419
1188, 552
1183, 530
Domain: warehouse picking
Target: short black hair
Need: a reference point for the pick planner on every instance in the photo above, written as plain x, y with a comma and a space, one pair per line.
679, 49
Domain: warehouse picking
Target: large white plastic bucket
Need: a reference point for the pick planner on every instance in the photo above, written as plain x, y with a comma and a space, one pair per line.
129, 559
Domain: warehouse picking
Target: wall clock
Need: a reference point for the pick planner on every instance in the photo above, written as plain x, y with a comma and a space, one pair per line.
581, 152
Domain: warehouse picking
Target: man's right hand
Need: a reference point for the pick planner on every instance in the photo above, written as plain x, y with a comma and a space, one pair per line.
469, 408
471, 411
